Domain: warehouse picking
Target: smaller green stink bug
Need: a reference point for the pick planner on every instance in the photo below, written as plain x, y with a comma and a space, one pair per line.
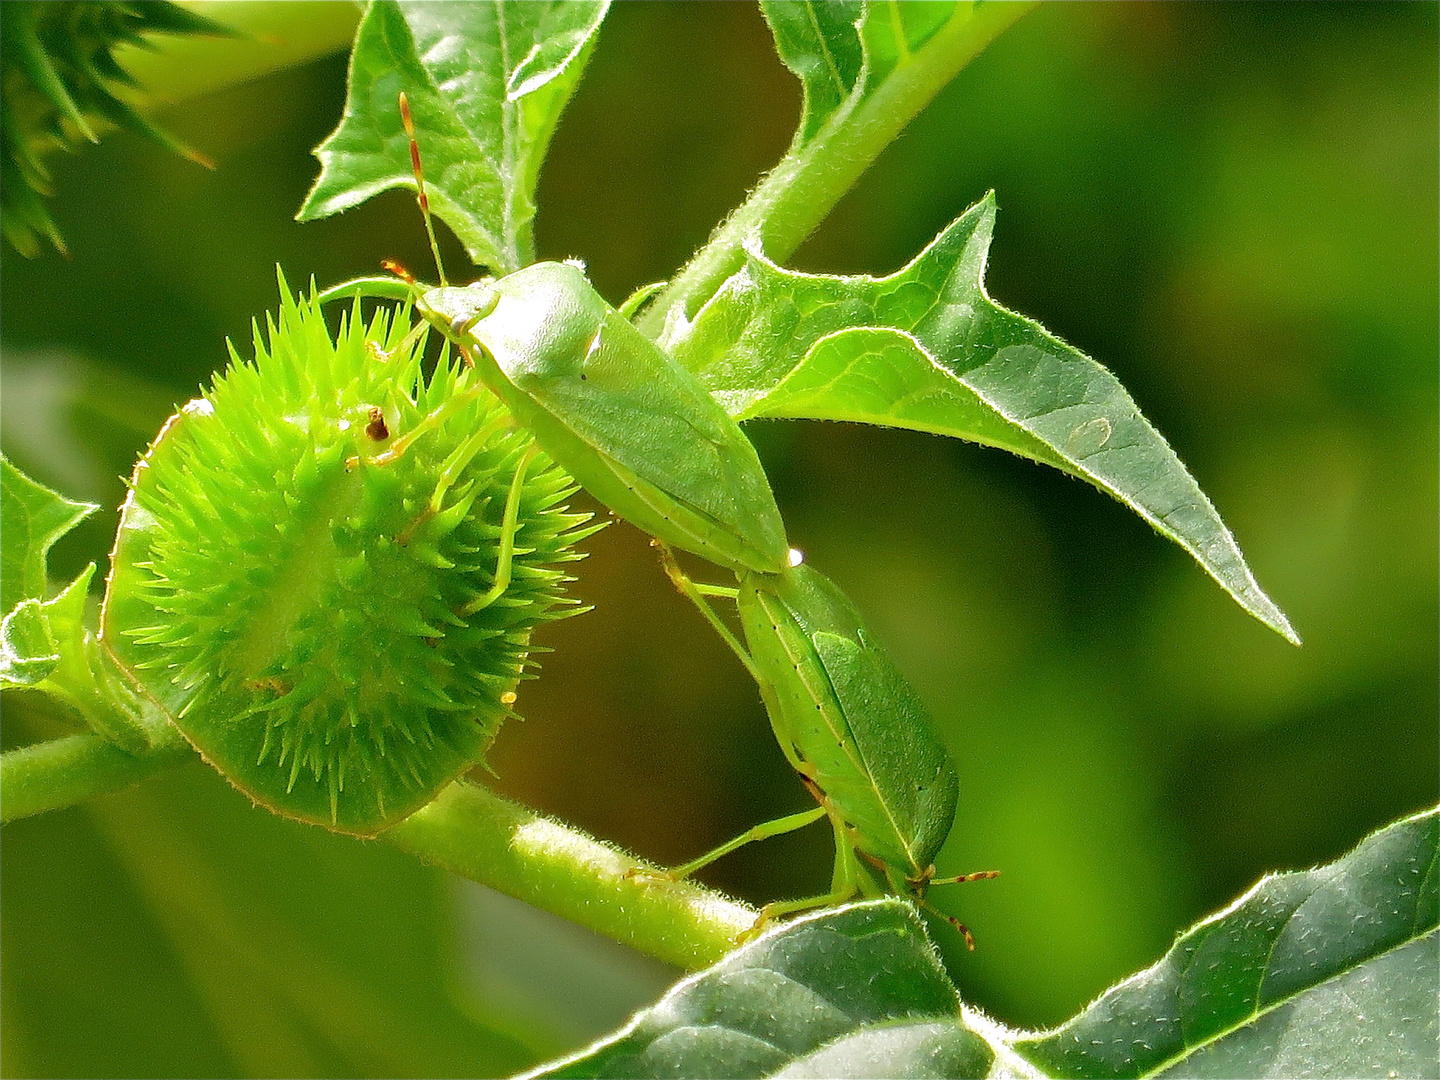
854, 730
637, 430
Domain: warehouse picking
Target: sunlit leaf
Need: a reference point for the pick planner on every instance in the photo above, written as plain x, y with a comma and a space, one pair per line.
866, 69
857, 991
35, 517
927, 349
27, 655
845, 52
486, 84
1326, 972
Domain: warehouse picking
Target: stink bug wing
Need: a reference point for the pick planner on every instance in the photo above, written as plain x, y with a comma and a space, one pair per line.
653, 433
620, 396
908, 764
806, 714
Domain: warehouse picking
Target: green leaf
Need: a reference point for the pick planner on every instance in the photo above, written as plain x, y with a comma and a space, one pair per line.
866, 70
927, 349
1327, 972
35, 517
845, 52
45, 646
36, 638
820, 44
43, 643
855, 991
27, 655
486, 85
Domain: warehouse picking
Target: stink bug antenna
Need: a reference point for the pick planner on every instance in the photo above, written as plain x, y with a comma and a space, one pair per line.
951, 919
423, 199
920, 885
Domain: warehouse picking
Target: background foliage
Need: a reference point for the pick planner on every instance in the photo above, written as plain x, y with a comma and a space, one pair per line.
1232, 207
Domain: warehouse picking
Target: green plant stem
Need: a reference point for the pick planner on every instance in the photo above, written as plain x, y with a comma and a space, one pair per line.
61, 772
467, 830
480, 836
797, 195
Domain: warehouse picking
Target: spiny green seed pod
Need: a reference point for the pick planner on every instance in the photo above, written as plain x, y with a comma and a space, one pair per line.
59, 74
304, 561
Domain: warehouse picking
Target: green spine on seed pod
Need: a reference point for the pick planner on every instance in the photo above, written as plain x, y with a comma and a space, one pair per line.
59, 90
304, 602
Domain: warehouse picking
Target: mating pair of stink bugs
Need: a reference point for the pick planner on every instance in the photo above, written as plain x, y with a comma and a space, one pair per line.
643, 436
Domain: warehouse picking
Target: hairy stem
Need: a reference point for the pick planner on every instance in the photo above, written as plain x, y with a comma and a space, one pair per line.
466, 830
59, 773
797, 195
481, 836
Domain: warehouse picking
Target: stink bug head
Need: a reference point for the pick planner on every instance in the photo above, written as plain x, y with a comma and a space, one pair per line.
455, 309
544, 323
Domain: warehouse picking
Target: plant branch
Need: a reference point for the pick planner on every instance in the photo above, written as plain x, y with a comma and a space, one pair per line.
467, 830
797, 195
481, 836
61, 772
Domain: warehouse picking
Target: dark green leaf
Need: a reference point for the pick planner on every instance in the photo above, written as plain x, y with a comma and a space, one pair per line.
855, 991
35, 517
486, 85
927, 349
1326, 972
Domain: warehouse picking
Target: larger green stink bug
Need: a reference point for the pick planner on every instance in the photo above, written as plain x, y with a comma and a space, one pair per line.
638, 431
854, 730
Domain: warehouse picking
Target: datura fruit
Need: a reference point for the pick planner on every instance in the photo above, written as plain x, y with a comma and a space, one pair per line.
329, 567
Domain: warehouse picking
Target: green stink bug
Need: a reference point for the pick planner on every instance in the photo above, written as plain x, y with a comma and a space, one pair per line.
853, 729
638, 431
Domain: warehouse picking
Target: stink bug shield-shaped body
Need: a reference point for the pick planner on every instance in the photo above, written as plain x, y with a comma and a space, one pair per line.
638, 431
850, 723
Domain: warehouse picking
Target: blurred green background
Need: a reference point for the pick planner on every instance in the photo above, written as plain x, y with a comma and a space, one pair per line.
1234, 207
